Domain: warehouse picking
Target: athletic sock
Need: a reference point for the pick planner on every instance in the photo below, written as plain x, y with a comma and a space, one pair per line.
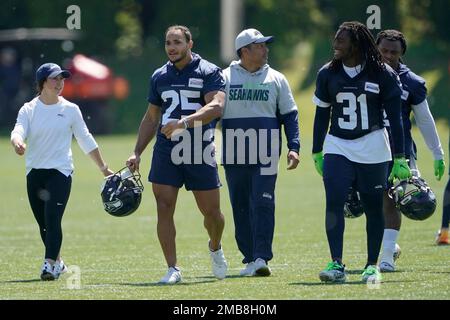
389, 240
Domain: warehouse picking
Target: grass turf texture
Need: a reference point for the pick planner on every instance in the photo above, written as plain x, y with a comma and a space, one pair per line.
120, 258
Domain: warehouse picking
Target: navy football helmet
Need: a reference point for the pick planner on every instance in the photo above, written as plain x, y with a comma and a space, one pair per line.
353, 207
121, 192
414, 198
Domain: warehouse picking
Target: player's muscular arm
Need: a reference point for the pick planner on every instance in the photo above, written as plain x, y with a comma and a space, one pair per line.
215, 101
147, 130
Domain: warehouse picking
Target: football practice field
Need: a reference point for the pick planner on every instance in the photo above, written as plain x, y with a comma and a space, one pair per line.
120, 258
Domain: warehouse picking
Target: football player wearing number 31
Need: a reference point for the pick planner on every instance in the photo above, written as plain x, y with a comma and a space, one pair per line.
353, 90
187, 91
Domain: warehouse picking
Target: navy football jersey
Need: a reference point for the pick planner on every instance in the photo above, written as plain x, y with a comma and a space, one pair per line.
414, 93
180, 93
357, 103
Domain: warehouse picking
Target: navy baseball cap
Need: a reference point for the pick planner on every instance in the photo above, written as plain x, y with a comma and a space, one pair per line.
50, 70
250, 36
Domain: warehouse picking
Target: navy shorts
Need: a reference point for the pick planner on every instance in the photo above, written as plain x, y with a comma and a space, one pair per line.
197, 177
367, 178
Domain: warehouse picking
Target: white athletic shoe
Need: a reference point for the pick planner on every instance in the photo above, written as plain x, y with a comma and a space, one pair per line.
218, 263
57, 269
47, 272
261, 268
248, 270
62, 267
172, 276
371, 275
397, 252
387, 267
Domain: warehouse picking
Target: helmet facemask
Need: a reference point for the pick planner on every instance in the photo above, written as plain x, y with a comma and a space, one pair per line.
414, 198
121, 192
353, 207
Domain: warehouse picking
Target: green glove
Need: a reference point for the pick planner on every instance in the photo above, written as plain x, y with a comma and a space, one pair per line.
318, 162
439, 168
400, 170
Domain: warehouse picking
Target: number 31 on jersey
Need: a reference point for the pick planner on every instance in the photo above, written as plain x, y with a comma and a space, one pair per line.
351, 110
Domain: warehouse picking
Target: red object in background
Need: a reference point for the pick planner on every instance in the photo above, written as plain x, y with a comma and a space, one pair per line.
120, 88
92, 80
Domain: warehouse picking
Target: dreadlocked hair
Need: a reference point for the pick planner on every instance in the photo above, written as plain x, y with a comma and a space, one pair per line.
392, 35
361, 37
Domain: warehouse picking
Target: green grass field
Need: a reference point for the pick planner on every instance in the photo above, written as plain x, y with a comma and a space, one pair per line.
120, 258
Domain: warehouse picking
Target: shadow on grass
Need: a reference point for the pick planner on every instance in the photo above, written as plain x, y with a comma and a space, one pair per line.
354, 271
235, 276
185, 282
345, 283
156, 284
324, 283
23, 281
361, 271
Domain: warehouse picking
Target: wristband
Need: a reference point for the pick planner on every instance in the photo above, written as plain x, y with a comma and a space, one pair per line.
185, 122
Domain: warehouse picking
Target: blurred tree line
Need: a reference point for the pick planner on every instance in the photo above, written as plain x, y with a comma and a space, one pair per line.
127, 27
128, 35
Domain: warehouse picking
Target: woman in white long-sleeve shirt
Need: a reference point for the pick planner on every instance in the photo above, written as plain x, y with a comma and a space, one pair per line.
47, 124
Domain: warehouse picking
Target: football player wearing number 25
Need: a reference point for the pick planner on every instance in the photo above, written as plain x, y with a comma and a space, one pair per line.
352, 91
186, 95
